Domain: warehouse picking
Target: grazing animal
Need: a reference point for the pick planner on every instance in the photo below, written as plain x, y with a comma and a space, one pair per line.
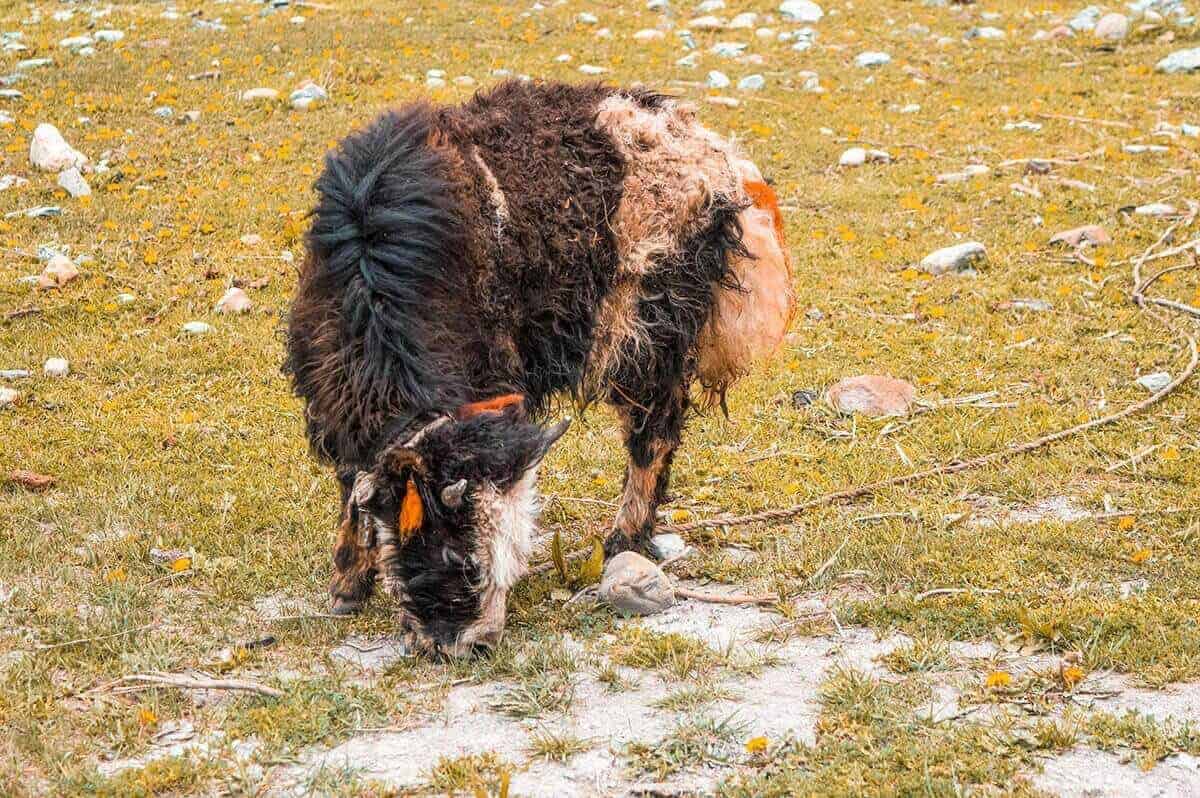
465, 265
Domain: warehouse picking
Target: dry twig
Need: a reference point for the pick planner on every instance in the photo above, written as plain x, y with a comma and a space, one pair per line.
148, 680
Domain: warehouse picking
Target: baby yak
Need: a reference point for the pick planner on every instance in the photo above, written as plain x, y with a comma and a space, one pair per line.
465, 265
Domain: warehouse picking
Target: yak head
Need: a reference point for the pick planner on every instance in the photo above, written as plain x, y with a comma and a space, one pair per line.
449, 515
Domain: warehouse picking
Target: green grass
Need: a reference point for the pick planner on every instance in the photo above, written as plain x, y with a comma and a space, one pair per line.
160, 440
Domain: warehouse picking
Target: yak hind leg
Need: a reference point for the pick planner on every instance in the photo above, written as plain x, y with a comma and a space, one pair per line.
652, 429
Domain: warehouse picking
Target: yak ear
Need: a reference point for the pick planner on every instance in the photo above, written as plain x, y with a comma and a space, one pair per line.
400, 459
508, 403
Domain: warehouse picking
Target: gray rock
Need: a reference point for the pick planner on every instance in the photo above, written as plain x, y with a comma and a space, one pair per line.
1154, 382
75, 42
109, 36
984, 33
1086, 19
164, 112
1180, 61
8, 396
307, 95
72, 180
33, 63
752, 83
196, 328
728, 49
958, 258
717, 80
56, 367
632, 584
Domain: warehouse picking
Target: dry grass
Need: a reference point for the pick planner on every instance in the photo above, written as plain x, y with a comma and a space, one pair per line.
161, 440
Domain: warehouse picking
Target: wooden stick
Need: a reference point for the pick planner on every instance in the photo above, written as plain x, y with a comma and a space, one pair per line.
1085, 120
197, 683
724, 598
950, 591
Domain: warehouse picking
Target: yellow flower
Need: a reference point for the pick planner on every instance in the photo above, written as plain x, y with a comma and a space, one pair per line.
181, 564
147, 717
1140, 556
116, 575
1072, 675
1125, 523
998, 679
756, 745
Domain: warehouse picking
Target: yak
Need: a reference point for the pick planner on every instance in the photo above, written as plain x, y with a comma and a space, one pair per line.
466, 265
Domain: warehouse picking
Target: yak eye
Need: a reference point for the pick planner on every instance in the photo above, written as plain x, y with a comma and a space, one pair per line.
452, 495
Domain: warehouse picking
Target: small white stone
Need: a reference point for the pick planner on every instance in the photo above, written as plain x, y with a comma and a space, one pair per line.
744, 21
587, 18
1157, 209
591, 69
706, 23
717, 80
563, 58
709, 6
871, 60
297, 20
1154, 382
56, 367
1180, 61
855, 156
801, 11
126, 299
668, 545
765, 33
74, 183
648, 34
984, 33
958, 258
8, 396
728, 49
260, 94
50, 152
1024, 125
75, 42
751, 83
109, 36
196, 328
234, 301
1139, 149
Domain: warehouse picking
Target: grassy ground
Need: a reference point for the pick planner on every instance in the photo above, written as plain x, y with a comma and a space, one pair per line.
159, 440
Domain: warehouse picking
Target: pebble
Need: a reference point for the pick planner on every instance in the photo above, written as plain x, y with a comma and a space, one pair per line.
634, 585
958, 258
11, 181
196, 328
592, 69
801, 11
1086, 19
1180, 61
164, 112
804, 39
587, 18
971, 170
857, 156
658, 5
72, 180
1035, 305
13, 374
259, 94
1092, 234
109, 36
1156, 209
744, 21
717, 80
56, 367
126, 299
1154, 382
8, 396
984, 33
1112, 27
1024, 125
871, 60
648, 34
872, 395
76, 42
234, 301
689, 61
728, 49
668, 545
50, 152
33, 63
752, 83
706, 23
57, 273
1140, 149
306, 95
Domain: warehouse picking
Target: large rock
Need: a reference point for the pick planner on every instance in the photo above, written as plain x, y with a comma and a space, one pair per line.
958, 258
632, 584
1112, 27
50, 152
58, 272
872, 395
1180, 61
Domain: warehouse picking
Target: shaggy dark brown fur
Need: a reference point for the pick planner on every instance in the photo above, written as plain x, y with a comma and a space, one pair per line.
523, 243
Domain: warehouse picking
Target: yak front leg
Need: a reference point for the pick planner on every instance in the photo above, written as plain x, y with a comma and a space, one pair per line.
353, 578
652, 434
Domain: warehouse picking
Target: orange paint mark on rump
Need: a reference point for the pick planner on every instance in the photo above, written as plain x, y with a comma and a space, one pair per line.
497, 404
763, 196
412, 514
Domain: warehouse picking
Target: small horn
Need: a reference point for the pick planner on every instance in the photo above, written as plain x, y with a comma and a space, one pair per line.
452, 495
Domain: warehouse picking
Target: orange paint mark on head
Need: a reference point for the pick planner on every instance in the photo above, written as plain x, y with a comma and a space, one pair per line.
497, 404
763, 196
412, 514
